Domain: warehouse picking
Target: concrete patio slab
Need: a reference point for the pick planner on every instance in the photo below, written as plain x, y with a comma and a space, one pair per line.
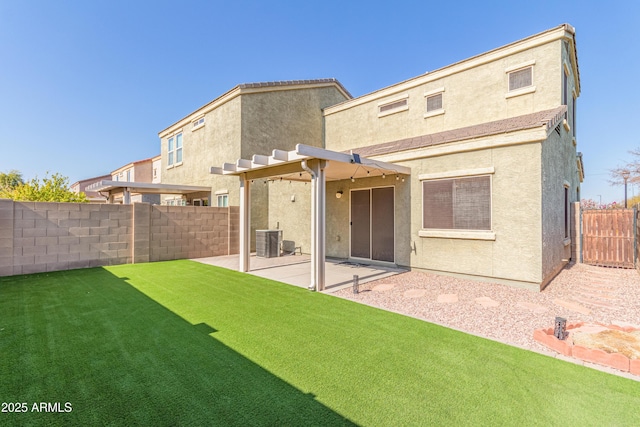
296, 270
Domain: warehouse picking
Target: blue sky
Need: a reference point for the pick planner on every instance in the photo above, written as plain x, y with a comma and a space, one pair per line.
85, 86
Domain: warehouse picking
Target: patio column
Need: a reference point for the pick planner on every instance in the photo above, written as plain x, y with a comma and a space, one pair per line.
245, 222
126, 197
318, 206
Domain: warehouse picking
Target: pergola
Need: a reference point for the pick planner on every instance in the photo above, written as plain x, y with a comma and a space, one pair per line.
305, 163
116, 187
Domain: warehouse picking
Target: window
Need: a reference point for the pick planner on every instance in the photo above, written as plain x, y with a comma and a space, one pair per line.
155, 172
457, 204
396, 105
566, 212
128, 175
174, 150
393, 105
434, 102
521, 78
223, 200
198, 123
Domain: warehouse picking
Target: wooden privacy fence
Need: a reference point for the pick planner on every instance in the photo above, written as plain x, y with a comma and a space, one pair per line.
609, 237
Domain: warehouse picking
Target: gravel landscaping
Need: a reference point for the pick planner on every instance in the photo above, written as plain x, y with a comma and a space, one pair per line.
504, 313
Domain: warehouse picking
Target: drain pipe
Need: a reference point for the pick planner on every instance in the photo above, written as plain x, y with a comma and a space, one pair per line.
312, 286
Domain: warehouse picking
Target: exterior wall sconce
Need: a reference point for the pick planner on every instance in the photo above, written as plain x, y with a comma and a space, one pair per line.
339, 194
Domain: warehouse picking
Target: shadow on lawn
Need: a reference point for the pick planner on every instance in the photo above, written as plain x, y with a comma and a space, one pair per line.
89, 338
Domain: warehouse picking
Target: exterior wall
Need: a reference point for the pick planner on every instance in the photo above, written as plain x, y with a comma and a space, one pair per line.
251, 123
39, 236
470, 97
515, 254
558, 169
142, 172
293, 217
156, 170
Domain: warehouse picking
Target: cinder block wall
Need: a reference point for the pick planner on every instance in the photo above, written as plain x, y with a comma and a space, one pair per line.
38, 237
177, 232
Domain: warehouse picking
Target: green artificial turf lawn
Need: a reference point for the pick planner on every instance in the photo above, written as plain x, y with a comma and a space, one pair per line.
181, 343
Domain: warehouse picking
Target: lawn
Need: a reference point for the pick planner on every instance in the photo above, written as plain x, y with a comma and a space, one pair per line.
181, 343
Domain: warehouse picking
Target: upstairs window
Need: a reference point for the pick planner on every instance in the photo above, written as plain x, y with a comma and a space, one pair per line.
174, 150
521, 78
198, 123
434, 102
393, 106
457, 204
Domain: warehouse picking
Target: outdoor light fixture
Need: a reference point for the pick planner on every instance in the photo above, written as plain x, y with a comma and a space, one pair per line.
338, 194
397, 177
352, 179
383, 176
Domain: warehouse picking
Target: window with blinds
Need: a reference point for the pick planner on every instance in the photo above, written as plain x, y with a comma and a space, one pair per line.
434, 102
521, 78
457, 204
392, 106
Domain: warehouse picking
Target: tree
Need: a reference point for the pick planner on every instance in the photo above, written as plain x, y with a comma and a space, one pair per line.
54, 188
10, 179
631, 170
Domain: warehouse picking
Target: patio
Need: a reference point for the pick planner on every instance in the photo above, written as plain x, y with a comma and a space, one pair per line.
295, 270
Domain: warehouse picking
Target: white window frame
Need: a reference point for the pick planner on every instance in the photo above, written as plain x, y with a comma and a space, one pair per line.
429, 94
197, 123
172, 152
525, 89
402, 100
224, 198
566, 199
452, 233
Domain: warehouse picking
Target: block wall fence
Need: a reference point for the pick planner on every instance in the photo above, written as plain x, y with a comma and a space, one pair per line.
38, 237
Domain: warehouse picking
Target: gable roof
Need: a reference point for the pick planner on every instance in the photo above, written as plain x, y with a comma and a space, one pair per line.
547, 118
251, 88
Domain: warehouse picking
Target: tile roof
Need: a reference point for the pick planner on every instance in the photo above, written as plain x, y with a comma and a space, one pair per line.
292, 83
548, 118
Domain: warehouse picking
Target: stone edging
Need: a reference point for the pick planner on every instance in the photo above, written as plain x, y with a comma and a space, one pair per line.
618, 361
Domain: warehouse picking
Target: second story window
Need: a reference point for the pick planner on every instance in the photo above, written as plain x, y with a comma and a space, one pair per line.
434, 102
198, 123
521, 78
396, 105
174, 150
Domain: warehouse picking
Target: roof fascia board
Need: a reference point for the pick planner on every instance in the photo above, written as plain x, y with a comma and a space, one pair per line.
475, 61
493, 141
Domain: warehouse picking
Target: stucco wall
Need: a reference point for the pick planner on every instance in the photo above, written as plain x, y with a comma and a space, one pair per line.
252, 123
471, 97
515, 217
558, 169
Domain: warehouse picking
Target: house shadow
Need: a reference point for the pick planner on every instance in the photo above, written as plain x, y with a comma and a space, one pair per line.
90, 338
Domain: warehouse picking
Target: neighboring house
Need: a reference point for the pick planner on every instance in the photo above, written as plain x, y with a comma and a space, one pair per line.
468, 170
248, 119
137, 172
93, 196
156, 165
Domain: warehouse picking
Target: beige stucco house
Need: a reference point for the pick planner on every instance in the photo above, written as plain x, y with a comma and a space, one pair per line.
467, 170
249, 119
93, 196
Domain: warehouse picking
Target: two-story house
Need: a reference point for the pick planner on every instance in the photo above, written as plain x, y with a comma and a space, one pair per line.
467, 170
141, 171
249, 119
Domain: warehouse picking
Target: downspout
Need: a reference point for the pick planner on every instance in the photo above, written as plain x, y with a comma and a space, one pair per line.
312, 285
